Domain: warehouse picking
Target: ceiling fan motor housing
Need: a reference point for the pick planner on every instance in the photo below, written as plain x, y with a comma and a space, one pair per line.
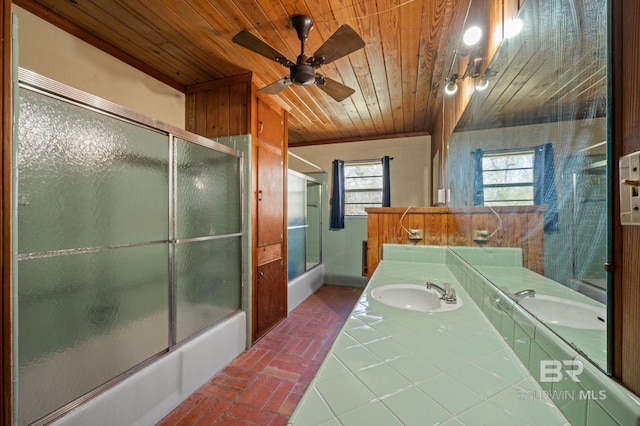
303, 74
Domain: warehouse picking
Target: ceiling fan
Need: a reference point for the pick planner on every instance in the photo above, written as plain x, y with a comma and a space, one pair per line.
303, 72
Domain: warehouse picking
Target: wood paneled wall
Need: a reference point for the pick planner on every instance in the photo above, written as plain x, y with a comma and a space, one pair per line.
220, 108
521, 227
626, 119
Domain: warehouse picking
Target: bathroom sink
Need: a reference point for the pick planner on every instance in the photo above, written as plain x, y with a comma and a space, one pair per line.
413, 297
564, 312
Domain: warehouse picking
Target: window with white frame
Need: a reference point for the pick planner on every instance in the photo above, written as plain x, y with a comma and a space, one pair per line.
507, 178
362, 186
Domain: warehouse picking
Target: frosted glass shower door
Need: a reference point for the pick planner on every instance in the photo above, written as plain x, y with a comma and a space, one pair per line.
93, 262
314, 220
296, 225
304, 239
208, 231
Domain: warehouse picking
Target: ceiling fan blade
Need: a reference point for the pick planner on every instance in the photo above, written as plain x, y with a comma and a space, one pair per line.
276, 87
253, 43
337, 91
344, 41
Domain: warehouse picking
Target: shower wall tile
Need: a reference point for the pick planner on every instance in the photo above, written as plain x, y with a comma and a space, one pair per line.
421, 254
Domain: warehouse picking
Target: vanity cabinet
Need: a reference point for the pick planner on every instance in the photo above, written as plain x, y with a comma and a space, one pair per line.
233, 107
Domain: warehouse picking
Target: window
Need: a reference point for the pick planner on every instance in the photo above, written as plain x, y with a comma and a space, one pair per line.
362, 186
508, 178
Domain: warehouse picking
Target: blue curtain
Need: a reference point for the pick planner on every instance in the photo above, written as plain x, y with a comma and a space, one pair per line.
478, 182
386, 182
337, 195
544, 186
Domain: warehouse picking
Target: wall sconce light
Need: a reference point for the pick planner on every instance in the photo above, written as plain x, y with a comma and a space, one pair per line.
470, 38
472, 70
452, 86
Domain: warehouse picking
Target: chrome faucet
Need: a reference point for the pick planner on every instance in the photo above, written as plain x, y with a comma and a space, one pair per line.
448, 293
524, 293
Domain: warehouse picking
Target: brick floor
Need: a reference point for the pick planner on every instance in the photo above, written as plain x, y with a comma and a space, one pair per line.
263, 385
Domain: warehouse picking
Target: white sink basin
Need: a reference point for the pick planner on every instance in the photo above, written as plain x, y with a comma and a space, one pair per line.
564, 312
413, 297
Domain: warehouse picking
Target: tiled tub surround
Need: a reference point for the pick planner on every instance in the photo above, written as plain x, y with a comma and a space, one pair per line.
390, 366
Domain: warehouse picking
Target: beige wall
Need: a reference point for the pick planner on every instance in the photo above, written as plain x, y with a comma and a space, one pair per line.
51, 52
410, 174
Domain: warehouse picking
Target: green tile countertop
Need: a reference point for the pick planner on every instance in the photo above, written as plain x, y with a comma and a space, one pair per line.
513, 279
391, 366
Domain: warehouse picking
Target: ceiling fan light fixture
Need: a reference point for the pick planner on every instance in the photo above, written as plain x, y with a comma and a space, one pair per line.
342, 42
472, 36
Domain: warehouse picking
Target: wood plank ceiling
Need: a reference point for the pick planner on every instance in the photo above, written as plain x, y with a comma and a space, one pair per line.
397, 77
556, 70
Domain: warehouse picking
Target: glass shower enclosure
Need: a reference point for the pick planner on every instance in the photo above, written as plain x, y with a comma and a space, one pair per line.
127, 242
304, 220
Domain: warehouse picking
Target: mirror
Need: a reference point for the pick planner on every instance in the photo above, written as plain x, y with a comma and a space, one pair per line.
544, 118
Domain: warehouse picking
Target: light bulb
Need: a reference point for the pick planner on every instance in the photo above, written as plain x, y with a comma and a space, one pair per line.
512, 28
451, 88
484, 83
472, 36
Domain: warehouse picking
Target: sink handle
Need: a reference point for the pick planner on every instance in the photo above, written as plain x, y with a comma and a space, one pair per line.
449, 295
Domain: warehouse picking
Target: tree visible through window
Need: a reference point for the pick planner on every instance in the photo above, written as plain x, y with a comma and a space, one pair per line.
508, 178
363, 187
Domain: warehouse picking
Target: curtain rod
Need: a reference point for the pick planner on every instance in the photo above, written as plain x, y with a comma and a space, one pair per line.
370, 160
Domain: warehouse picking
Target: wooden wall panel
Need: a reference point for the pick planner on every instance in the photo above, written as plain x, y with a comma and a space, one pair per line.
626, 83
224, 104
435, 227
210, 112
200, 105
219, 108
460, 233
535, 258
521, 227
237, 107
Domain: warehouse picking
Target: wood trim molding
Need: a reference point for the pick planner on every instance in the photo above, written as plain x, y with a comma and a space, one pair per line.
455, 210
91, 39
360, 139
